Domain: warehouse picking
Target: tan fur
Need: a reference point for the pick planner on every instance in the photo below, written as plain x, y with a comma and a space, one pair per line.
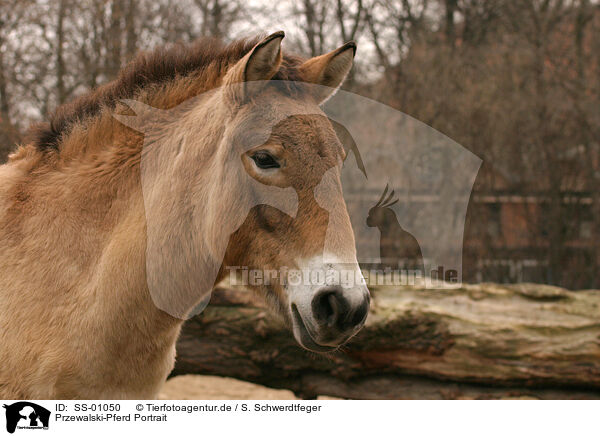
76, 317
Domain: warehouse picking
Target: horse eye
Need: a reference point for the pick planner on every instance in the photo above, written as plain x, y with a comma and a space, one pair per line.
264, 160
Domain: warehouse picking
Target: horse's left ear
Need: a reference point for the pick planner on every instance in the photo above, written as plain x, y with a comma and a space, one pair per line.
329, 70
260, 64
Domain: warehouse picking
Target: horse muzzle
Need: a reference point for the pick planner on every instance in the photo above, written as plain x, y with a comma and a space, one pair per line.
329, 317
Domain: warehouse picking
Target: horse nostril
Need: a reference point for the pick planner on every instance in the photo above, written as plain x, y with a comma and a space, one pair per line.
329, 306
360, 313
332, 309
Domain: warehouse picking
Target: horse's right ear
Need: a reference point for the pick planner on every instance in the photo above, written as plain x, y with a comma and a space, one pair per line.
261, 63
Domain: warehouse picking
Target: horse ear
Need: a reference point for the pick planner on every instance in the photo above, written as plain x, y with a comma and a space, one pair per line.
261, 63
329, 70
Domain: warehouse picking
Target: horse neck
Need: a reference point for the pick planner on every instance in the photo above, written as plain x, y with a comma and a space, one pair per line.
159, 185
90, 215
93, 191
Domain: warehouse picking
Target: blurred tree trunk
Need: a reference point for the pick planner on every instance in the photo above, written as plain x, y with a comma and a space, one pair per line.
315, 15
218, 16
480, 341
4, 105
60, 49
451, 6
130, 29
348, 31
349, 22
8, 134
115, 39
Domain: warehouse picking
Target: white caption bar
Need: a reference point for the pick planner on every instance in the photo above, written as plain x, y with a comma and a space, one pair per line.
264, 418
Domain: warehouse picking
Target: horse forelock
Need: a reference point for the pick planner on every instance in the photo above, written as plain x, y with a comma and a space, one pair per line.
164, 72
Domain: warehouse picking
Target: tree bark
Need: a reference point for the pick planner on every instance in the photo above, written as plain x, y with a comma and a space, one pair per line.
480, 341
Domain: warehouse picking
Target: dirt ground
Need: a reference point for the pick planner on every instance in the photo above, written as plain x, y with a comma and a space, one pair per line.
200, 387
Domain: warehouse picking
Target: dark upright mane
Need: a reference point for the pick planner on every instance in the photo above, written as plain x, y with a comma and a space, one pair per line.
158, 66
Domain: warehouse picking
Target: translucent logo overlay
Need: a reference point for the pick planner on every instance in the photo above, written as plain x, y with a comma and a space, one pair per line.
278, 192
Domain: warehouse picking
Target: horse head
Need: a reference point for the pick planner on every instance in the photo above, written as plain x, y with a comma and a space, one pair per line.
247, 177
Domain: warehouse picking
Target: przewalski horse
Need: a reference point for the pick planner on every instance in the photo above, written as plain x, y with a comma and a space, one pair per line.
77, 318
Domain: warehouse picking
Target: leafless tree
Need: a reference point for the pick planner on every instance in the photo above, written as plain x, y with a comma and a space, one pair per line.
515, 81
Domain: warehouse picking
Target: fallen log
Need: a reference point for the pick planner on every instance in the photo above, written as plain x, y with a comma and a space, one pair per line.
479, 341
